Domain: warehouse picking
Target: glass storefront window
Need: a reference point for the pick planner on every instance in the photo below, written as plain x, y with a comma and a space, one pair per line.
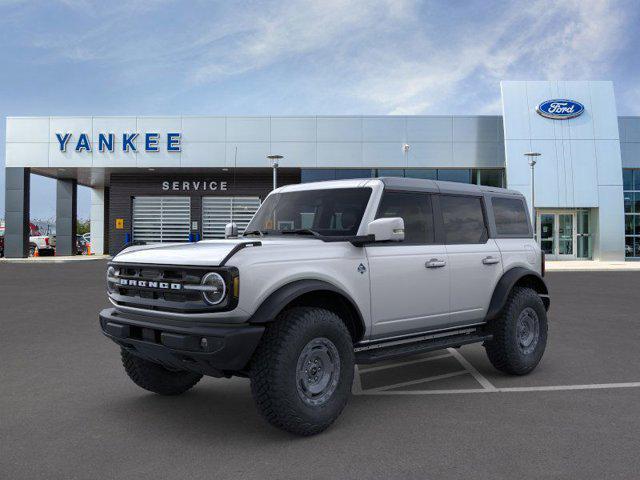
629, 224
390, 172
627, 179
317, 174
460, 175
631, 182
488, 177
424, 173
346, 173
492, 177
636, 179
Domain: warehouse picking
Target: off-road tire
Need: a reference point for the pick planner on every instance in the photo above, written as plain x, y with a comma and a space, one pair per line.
155, 378
274, 370
505, 351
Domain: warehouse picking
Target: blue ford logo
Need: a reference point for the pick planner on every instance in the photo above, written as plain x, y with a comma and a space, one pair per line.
560, 109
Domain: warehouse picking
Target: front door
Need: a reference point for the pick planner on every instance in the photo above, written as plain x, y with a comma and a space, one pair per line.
557, 232
409, 280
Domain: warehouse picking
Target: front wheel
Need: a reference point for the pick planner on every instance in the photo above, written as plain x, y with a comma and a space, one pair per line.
155, 378
519, 334
302, 371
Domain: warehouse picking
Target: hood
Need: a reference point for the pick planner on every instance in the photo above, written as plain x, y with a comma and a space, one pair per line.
205, 253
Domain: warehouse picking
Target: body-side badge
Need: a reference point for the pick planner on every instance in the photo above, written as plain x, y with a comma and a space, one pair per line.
362, 268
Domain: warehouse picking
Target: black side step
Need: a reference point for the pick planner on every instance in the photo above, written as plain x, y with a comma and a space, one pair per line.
404, 350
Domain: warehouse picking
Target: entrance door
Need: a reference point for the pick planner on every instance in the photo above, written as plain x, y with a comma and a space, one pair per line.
557, 233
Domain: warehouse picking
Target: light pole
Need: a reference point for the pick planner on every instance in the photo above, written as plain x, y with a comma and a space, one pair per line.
532, 163
274, 163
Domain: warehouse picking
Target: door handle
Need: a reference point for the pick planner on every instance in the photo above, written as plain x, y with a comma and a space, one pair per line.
490, 260
435, 263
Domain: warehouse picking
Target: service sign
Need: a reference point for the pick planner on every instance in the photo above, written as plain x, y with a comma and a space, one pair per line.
149, 141
560, 109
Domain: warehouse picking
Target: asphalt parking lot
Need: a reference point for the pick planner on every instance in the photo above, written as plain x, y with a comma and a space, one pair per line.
67, 410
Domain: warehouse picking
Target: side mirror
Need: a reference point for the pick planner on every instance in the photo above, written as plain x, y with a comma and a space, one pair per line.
230, 230
387, 229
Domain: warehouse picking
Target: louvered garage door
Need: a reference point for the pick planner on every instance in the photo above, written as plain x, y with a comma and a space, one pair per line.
218, 211
161, 219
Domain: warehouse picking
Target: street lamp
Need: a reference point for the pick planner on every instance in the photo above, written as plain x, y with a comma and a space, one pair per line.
531, 156
274, 163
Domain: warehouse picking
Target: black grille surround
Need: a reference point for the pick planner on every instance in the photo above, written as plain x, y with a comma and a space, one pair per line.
171, 298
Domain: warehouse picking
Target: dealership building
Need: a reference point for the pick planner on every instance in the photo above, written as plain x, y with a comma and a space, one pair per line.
182, 178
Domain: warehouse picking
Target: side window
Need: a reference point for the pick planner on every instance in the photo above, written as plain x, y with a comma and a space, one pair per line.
511, 216
463, 219
414, 209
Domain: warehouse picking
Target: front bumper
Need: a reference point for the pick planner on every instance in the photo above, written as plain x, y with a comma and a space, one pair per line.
215, 350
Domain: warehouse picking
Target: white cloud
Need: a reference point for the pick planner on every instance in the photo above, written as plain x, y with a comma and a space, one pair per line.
391, 56
538, 40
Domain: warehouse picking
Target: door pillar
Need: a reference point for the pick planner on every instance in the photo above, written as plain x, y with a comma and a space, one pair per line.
99, 215
17, 190
66, 216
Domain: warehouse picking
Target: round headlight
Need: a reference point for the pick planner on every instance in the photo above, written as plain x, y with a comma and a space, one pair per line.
111, 272
216, 288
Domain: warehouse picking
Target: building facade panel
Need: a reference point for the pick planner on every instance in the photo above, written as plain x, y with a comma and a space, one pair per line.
293, 129
578, 175
384, 129
430, 129
204, 129
28, 129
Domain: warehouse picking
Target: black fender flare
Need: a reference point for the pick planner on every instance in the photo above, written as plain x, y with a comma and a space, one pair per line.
506, 284
284, 295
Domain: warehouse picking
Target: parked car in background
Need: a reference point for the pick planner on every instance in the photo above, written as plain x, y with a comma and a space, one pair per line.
45, 243
81, 245
1, 242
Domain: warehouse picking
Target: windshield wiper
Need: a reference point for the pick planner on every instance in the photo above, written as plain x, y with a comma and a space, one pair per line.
301, 231
255, 232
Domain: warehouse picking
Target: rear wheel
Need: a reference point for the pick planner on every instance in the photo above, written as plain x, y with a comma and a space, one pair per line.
155, 378
302, 371
519, 334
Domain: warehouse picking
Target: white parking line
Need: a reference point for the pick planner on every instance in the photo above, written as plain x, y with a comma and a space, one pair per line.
402, 364
414, 382
546, 388
486, 384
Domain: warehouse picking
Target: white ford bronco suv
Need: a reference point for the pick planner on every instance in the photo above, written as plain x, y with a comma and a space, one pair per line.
328, 275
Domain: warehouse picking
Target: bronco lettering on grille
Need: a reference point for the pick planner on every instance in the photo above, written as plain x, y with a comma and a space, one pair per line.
148, 284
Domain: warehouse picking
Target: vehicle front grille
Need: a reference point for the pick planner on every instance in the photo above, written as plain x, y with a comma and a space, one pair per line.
161, 288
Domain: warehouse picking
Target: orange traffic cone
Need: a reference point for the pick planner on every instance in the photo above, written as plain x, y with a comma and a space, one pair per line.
88, 248
36, 253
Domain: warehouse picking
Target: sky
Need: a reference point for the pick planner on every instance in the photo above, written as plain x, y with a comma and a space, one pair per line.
147, 57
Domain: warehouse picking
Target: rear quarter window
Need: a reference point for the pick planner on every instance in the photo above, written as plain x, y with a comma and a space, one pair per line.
511, 216
463, 219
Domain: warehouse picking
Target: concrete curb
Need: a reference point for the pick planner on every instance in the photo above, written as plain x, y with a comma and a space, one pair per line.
592, 266
39, 260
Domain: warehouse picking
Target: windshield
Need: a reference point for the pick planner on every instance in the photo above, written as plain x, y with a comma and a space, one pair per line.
327, 212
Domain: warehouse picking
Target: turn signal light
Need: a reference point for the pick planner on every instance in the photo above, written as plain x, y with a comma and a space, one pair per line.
236, 287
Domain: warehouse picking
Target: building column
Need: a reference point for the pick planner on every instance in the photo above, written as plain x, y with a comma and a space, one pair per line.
609, 227
66, 216
98, 217
17, 190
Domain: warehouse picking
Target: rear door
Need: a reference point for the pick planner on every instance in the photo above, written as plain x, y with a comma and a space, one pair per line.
410, 279
474, 258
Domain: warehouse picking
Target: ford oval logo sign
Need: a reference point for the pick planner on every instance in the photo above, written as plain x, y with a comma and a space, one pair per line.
560, 109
